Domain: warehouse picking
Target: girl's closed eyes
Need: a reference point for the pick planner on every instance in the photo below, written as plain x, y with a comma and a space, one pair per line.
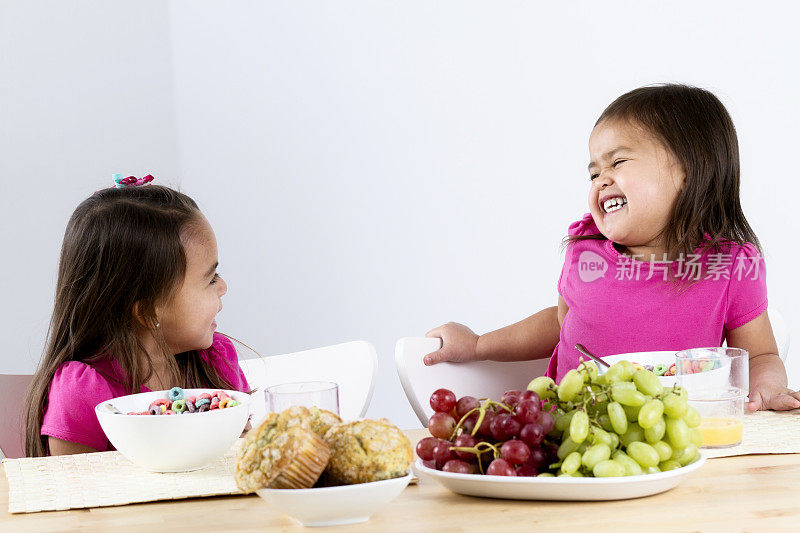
614, 165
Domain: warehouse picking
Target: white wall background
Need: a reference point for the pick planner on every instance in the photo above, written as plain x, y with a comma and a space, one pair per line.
85, 91
371, 169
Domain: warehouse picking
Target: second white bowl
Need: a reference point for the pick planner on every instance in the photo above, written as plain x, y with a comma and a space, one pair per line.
333, 506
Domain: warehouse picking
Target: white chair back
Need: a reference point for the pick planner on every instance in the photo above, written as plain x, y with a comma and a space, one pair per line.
351, 365
490, 378
480, 379
13, 388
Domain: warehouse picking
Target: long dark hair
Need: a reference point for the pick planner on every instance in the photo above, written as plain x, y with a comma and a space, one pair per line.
695, 126
122, 256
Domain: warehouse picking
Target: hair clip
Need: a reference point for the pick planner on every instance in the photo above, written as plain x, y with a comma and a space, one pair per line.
130, 181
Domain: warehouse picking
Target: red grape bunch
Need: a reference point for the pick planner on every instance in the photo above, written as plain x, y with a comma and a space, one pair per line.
505, 438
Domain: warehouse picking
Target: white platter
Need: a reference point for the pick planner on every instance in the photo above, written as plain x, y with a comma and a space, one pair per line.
560, 488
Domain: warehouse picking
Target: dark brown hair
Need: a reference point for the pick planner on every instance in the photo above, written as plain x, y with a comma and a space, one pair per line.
122, 256
695, 126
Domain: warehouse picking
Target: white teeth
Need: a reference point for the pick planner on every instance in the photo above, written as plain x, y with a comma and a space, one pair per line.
614, 204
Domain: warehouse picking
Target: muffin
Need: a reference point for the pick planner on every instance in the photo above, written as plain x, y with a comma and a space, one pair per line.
293, 416
322, 420
283, 452
366, 450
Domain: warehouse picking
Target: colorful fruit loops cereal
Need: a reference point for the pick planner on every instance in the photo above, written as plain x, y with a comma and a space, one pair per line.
659, 369
177, 403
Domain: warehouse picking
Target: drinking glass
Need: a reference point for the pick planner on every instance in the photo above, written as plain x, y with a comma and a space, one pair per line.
321, 394
717, 382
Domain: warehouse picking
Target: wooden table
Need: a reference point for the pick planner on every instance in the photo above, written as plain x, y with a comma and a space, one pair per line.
749, 493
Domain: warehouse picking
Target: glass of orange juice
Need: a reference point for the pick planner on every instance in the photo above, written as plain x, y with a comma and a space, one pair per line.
717, 382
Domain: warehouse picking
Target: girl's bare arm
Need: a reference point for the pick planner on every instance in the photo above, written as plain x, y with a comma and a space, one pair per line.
65, 447
532, 338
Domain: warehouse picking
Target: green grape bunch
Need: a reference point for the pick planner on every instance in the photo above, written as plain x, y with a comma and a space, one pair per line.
623, 422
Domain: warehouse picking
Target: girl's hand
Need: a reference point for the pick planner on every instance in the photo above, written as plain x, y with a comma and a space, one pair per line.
459, 344
776, 398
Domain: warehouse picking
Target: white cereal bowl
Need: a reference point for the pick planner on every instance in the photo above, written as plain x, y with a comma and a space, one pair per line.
647, 358
717, 377
334, 506
172, 443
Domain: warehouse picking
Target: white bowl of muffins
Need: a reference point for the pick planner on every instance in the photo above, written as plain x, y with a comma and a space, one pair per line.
321, 471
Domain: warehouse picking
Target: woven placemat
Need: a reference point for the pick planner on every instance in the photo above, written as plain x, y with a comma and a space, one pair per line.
107, 478
765, 432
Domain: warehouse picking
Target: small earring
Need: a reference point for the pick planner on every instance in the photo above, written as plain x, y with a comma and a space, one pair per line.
158, 324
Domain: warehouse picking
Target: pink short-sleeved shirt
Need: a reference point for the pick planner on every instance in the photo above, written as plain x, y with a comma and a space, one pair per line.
77, 388
619, 305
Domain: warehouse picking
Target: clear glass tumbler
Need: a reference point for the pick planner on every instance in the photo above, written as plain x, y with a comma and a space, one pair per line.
321, 394
717, 382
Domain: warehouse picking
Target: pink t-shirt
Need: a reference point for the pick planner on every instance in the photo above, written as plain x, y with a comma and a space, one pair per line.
619, 305
77, 388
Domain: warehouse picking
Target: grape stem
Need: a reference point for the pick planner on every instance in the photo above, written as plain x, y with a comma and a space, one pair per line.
477, 451
485, 404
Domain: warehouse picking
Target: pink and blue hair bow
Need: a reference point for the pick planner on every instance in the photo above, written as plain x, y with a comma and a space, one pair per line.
130, 181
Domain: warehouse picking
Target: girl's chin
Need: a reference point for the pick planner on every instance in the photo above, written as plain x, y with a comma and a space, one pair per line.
208, 340
612, 233
614, 222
